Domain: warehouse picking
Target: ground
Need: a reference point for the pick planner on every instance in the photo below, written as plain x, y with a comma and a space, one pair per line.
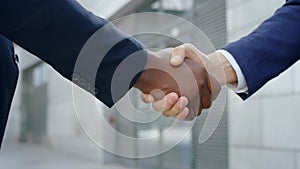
25, 156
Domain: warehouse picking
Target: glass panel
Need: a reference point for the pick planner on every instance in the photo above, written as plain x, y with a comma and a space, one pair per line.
179, 157
173, 5
40, 75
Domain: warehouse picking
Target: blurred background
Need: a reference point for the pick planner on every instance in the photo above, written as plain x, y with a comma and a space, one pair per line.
260, 133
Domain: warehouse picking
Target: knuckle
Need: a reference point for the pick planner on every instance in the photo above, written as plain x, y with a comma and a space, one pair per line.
207, 104
169, 103
188, 45
178, 49
180, 105
202, 86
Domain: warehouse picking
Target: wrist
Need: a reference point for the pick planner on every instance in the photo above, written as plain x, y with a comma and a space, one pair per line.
142, 80
222, 70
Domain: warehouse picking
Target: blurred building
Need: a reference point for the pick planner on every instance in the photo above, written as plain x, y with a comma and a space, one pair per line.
259, 133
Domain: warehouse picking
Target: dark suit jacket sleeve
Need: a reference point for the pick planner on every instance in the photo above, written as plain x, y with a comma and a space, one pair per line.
272, 48
56, 30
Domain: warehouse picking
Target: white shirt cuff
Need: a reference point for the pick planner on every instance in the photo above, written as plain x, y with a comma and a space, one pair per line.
242, 84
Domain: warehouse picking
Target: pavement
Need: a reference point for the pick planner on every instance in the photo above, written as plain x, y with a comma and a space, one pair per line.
25, 156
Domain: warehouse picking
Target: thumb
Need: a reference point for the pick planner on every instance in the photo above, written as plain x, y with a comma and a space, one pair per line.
178, 56
176, 60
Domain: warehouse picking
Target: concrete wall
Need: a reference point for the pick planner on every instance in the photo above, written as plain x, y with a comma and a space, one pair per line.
263, 130
104, 8
64, 133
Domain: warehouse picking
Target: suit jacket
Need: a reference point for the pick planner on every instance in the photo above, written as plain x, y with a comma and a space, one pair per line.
271, 49
55, 31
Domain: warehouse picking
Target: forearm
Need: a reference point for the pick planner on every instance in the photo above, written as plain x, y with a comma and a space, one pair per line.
56, 32
270, 49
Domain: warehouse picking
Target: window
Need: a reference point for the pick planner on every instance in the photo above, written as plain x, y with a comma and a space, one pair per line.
173, 5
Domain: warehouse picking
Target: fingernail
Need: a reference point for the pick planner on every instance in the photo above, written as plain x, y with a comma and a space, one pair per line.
175, 60
184, 101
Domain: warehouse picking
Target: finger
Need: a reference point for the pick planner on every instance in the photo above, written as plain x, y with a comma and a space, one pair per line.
186, 115
166, 103
190, 116
182, 115
195, 108
205, 96
178, 107
187, 51
195, 54
214, 86
178, 56
144, 97
147, 98
190, 51
171, 99
206, 99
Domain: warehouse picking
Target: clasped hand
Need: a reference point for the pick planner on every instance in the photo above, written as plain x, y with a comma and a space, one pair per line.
168, 84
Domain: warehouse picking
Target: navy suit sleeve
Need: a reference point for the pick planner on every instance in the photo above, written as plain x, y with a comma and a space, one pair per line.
270, 49
56, 30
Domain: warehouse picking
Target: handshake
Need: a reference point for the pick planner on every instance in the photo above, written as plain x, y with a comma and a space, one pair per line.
182, 81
